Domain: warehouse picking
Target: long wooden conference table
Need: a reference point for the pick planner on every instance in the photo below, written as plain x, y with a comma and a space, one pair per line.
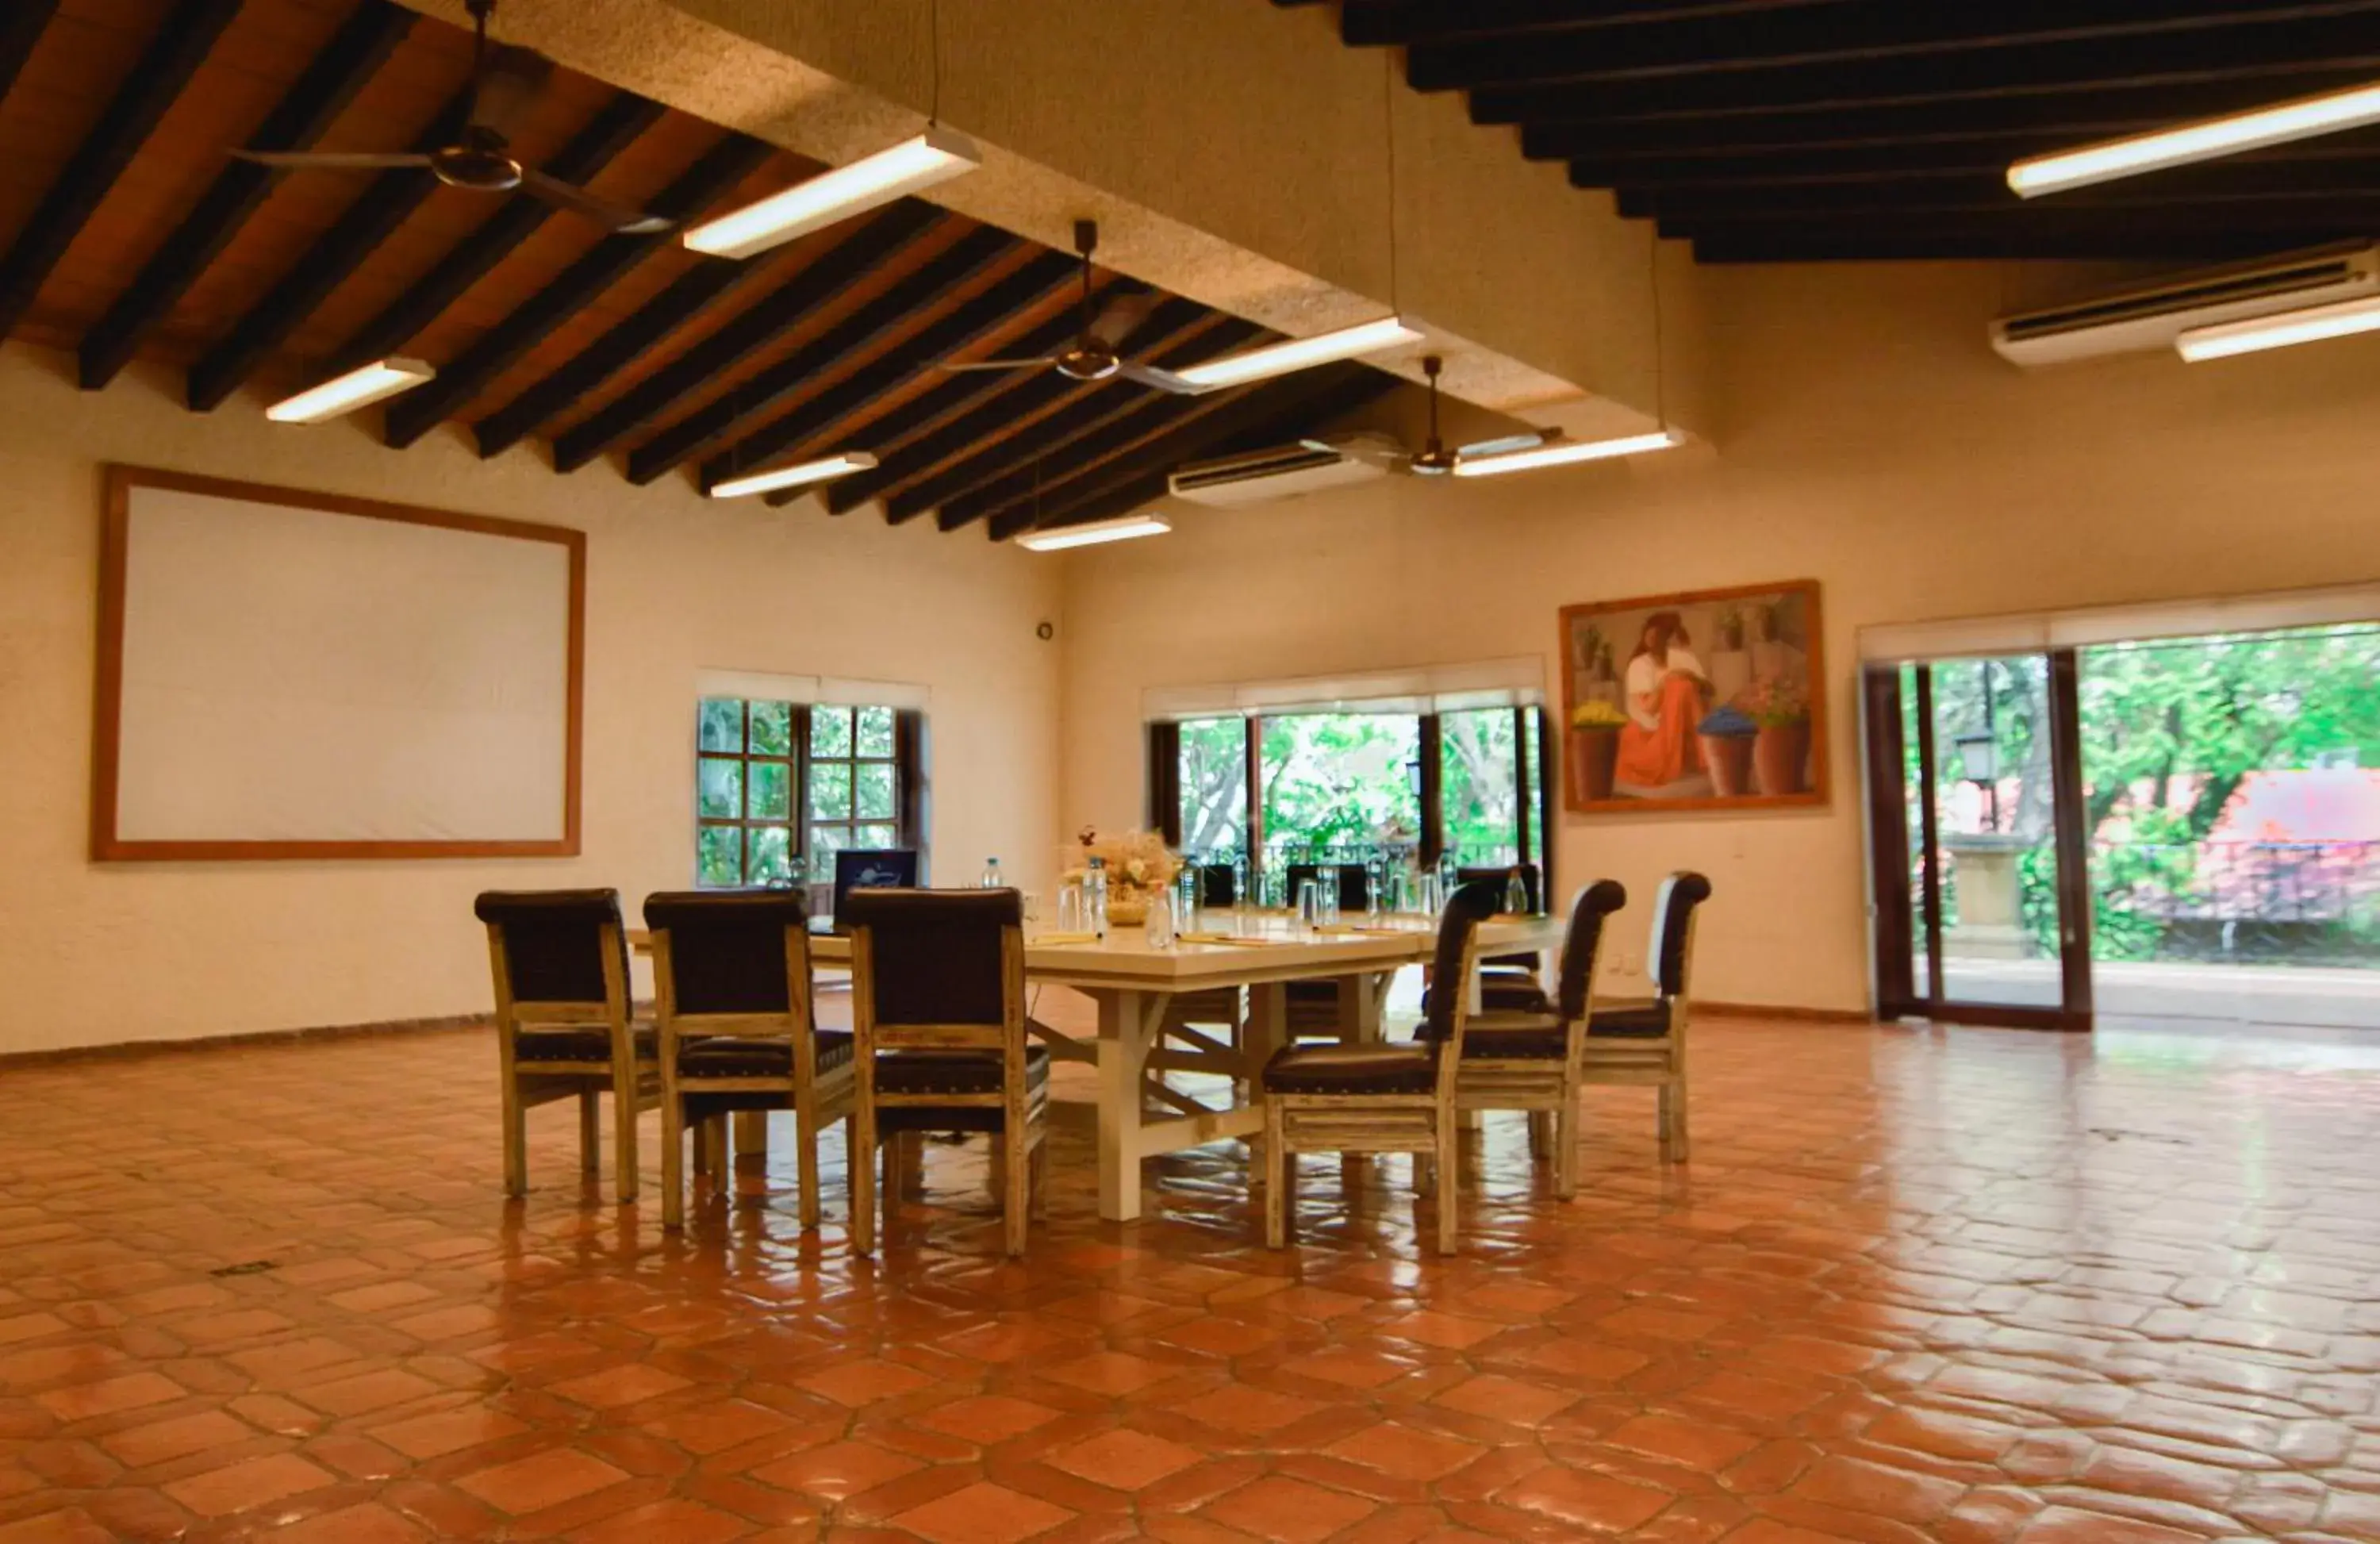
1141, 1036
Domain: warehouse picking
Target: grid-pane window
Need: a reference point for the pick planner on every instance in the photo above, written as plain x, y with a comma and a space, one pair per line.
855, 785
746, 773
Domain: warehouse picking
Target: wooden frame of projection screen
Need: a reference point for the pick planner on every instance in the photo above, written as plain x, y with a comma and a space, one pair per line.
442, 655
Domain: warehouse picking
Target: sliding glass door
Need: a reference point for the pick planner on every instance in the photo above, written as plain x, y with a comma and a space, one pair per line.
1979, 871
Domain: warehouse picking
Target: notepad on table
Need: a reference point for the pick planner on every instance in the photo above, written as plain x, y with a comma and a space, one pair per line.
1067, 938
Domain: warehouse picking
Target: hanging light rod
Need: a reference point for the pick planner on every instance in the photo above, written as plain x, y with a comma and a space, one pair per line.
345, 393
1561, 453
2276, 125
1123, 529
1279, 358
2310, 324
936, 156
820, 471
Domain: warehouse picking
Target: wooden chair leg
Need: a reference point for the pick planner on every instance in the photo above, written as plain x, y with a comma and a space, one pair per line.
860, 1163
1673, 1120
590, 1133
1015, 1205
806, 1161
515, 1120
1277, 1173
1424, 1174
624, 1135
673, 1162
1541, 1134
1449, 1186
1040, 1180
1566, 1146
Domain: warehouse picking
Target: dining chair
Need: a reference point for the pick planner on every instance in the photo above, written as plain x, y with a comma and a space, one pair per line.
564, 1024
1531, 1059
1383, 1098
1642, 1040
938, 1013
733, 1001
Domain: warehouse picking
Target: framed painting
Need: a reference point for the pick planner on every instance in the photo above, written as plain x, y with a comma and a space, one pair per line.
1710, 699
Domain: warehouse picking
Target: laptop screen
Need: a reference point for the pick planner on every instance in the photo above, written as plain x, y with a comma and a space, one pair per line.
874, 869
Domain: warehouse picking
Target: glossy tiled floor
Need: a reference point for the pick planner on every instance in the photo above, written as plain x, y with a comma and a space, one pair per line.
1959, 1286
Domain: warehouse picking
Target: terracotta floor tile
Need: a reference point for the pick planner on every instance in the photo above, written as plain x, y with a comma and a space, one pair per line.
1125, 1459
540, 1480
255, 1482
366, 1523
865, 1383
69, 1526
616, 1386
1245, 1409
667, 1522
1505, 1399
110, 1395
837, 1470
1396, 1449
433, 1436
160, 1442
1589, 1501
983, 1514
1109, 1372
1288, 1509
987, 1418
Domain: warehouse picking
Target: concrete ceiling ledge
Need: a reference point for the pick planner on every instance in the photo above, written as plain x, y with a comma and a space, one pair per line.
1231, 152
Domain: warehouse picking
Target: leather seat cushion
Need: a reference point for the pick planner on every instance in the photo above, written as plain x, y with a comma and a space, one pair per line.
728, 1056
954, 1073
1508, 994
578, 1045
1639, 1019
1352, 1069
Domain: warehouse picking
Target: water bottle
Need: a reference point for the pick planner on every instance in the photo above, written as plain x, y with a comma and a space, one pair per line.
1329, 876
1158, 922
1516, 894
1449, 877
1094, 895
1376, 885
1241, 900
1191, 881
992, 879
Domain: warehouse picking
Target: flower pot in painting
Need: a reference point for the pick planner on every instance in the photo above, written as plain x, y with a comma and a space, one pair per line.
1779, 754
1593, 754
1727, 759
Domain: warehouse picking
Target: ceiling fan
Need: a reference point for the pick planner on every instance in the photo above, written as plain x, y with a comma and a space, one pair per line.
479, 161
1092, 356
1434, 459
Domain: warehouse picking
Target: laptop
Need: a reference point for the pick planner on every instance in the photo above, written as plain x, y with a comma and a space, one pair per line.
873, 868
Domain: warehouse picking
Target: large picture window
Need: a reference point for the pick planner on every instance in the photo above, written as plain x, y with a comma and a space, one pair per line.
780, 788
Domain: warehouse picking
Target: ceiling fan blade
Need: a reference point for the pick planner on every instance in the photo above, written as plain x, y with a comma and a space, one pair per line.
579, 200
996, 364
1122, 315
1503, 446
1378, 450
332, 160
1164, 379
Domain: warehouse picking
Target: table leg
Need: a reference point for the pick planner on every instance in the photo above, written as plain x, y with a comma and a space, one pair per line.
1359, 1010
751, 1141
1123, 1054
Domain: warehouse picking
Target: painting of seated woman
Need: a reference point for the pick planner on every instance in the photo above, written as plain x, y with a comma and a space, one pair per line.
1694, 701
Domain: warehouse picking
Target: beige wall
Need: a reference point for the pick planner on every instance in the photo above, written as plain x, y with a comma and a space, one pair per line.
99, 953
1867, 438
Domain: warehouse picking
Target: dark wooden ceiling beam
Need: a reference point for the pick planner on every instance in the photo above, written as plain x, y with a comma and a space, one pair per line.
513, 219
496, 350
2080, 66
840, 346
2353, 155
1083, 435
1768, 42
1036, 283
923, 421
2146, 234
20, 29
1283, 408
2109, 244
739, 337
2079, 114
1030, 396
353, 56
181, 45
1398, 23
2224, 193
377, 210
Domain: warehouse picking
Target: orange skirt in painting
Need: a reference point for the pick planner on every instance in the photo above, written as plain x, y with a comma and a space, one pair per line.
1650, 758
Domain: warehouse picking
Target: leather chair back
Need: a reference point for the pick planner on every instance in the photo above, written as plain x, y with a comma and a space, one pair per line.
1596, 902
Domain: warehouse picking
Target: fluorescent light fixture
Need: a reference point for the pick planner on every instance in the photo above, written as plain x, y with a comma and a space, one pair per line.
1121, 530
2105, 162
2310, 324
936, 156
792, 477
1279, 358
345, 393
1561, 453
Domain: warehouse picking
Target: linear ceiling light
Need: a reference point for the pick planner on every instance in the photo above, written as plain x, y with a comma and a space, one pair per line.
345, 393
936, 156
1279, 358
1123, 529
2301, 119
2312, 324
1564, 452
793, 477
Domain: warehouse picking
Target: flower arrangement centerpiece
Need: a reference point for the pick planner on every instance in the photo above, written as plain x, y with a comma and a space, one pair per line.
1726, 734
1138, 865
1780, 707
1595, 728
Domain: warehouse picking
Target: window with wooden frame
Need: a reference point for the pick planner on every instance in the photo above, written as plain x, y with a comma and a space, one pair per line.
781, 787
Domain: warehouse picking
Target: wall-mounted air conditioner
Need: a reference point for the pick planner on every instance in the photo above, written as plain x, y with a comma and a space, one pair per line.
2151, 316
1263, 476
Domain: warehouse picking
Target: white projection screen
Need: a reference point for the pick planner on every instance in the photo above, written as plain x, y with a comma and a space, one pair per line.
285, 675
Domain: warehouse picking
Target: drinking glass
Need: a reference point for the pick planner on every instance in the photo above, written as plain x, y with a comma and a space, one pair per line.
1158, 921
1328, 879
1433, 893
1072, 912
1309, 904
